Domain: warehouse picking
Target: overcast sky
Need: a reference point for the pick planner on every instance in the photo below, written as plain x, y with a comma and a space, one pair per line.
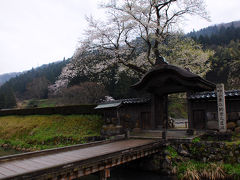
36, 32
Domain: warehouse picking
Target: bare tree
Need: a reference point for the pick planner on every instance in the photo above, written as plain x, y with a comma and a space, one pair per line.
84, 93
37, 88
135, 24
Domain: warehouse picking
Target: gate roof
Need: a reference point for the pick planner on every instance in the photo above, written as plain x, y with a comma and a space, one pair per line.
167, 79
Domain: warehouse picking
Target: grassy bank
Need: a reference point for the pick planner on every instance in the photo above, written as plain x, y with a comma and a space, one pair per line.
40, 103
47, 131
198, 170
203, 160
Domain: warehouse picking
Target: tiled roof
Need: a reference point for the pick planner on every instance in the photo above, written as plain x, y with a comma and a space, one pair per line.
117, 103
135, 100
212, 94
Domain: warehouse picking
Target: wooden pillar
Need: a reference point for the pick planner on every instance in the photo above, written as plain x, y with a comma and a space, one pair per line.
189, 109
118, 116
165, 111
159, 109
153, 111
165, 115
104, 174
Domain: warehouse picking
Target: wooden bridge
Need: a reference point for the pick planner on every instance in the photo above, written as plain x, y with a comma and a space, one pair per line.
76, 161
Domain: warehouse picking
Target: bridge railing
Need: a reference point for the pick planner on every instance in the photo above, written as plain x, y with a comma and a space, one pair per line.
54, 150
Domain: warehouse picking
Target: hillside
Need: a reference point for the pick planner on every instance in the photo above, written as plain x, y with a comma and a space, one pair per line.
7, 76
30, 84
234, 23
210, 30
44, 74
224, 39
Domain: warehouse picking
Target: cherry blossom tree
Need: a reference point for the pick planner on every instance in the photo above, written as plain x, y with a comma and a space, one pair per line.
134, 39
135, 24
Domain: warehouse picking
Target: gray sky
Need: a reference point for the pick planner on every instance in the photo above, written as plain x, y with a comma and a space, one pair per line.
36, 32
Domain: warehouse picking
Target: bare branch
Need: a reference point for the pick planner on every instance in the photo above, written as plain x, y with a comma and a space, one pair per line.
149, 20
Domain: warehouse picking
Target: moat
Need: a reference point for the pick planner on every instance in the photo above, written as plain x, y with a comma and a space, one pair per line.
126, 173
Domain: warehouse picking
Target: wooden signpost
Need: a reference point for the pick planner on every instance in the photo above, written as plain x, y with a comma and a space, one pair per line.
221, 108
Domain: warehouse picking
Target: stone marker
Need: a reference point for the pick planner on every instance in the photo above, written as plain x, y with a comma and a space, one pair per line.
221, 108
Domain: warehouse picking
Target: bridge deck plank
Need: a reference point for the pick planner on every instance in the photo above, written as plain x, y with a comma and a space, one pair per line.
25, 165
41, 162
14, 168
2, 176
5, 171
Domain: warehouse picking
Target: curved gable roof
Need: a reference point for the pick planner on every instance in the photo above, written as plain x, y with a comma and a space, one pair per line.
167, 79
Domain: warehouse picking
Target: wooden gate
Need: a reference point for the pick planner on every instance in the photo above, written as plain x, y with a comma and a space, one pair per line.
199, 121
145, 120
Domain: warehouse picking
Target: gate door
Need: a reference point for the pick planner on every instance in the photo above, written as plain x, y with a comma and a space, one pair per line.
145, 120
199, 121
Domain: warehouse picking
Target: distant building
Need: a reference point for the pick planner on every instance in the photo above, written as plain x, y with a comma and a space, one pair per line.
202, 109
130, 113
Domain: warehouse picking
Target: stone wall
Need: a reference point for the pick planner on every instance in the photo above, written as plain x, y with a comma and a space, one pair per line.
207, 152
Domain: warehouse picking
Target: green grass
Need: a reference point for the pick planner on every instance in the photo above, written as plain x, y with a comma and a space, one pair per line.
233, 170
41, 103
196, 140
199, 170
47, 131
173, 153
236, 142
47, 103
182, 167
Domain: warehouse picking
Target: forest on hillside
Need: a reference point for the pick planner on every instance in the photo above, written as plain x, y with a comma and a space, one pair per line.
5, 77
225, 61
30, 84
116, 55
